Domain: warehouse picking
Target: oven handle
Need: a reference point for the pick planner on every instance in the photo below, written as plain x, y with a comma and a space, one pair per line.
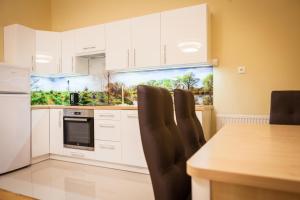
76, 119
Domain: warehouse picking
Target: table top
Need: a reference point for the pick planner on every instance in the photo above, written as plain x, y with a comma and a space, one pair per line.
266, 156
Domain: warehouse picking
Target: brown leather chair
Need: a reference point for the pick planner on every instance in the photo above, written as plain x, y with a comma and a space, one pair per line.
285, 107
162, 146
187, 122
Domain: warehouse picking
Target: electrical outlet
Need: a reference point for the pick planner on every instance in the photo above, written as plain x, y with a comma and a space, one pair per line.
241, 70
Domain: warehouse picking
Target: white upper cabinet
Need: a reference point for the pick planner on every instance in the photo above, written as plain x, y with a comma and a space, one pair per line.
118, 45
19, 45
69, 63
145, 37
184, 35
90, 40
48, 52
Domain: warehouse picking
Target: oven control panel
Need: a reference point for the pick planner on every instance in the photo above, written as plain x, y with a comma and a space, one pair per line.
78, 113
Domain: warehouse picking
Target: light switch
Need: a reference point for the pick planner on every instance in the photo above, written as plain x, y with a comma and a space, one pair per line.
241, 69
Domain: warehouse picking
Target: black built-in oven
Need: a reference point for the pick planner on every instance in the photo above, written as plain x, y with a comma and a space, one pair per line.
79, 129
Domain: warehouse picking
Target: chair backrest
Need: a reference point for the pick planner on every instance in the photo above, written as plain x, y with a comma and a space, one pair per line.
162, 146
187, 121
285, 107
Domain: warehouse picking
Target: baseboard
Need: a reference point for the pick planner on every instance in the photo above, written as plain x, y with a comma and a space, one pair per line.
40, 158
100, 164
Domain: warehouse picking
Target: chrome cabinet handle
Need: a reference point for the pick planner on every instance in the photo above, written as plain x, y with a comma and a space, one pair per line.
75, 119
72, 63
165, 54
32, 63
86, 48
60, 118
134, 57
128, 58
111, 147
75, 154
106, 126
106, 115
132, 116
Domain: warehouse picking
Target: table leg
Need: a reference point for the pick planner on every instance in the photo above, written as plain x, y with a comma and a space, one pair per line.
200, 189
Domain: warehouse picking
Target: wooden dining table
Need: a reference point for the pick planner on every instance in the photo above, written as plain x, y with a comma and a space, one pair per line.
248, 162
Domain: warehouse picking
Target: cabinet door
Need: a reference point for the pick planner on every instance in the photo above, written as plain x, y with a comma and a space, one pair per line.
90, 39
69, 63
132, 148
146, 41
40, 132
184, 35
19, 45
48, 51
56, 131
117, 45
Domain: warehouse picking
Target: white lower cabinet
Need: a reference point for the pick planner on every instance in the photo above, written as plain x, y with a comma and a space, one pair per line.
56, 131
107, 130
132, 148
40, 132
108, 151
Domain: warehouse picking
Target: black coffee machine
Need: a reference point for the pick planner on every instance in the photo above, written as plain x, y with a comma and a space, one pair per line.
74, 99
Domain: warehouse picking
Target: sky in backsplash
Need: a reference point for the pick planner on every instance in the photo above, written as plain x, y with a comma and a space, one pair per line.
76, 83
97, 83
135, 78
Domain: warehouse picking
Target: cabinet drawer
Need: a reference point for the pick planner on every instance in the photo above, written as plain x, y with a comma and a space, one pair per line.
108, 151
108, 114
107, 130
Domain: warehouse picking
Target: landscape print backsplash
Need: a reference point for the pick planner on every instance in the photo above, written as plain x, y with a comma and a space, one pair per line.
108, 88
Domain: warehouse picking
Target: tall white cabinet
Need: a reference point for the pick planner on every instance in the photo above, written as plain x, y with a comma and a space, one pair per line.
184, 35
48, 52
19, 45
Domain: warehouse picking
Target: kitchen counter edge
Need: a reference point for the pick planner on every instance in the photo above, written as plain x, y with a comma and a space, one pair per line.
37, 107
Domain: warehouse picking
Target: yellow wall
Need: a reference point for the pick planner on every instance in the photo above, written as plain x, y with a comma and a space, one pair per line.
263, 35
32, 13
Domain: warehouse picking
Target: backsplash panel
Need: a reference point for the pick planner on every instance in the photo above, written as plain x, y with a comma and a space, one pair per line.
108, 88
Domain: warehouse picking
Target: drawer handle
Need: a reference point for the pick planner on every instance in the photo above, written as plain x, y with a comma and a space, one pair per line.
86, 48
106, 115
132, 116
80, 155
106, 126
111, 147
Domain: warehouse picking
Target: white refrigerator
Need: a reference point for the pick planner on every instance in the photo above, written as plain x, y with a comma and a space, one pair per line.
15, 118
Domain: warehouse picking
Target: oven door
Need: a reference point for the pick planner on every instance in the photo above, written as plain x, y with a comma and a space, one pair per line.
79, 133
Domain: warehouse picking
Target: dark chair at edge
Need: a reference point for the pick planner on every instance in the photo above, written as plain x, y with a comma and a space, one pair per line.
163, 148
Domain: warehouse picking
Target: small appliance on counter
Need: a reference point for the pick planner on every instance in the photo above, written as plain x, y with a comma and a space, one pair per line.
79, 129
74, 99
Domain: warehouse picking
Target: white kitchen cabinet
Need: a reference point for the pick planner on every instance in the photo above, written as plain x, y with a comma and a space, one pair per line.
145, 37
19, 45
132, 148
70, 64
184, 35
108, 151
205, 120
90, 40
118, 45
107, 130
48, 52
40, 132
56, 132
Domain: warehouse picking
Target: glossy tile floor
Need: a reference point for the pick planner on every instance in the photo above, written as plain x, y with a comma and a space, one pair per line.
57, 180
